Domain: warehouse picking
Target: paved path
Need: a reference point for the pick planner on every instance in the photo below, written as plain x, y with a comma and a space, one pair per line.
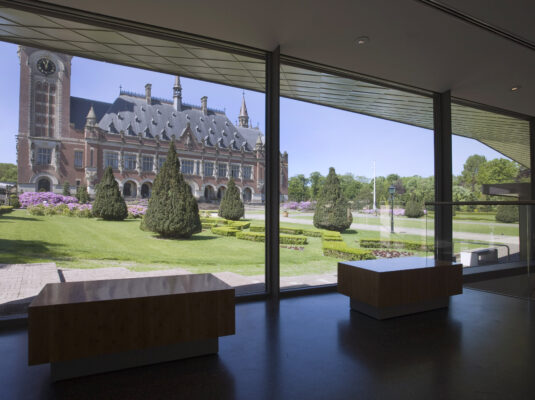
509, 240
20, 283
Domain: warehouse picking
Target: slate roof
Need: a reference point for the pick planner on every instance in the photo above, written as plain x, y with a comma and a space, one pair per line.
133, 115
80, 107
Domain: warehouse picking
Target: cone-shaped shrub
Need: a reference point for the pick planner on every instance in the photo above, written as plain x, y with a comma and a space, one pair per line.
231, 206
414, 208
82, 195
332, 209
109, 204
173, 211
66, 189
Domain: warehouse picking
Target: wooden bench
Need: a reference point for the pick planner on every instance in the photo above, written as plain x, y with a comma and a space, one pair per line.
392, 287
84, 328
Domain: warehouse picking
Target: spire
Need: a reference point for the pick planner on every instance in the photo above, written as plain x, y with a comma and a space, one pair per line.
243, 117
258, 145
91, 118
177, 94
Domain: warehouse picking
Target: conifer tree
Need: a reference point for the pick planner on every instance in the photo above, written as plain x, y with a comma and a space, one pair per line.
66, 188
109, 204
231, 206
173, 211
332, 209
82, 195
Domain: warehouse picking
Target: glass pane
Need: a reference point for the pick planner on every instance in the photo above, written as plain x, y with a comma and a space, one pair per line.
371, 204
126, 119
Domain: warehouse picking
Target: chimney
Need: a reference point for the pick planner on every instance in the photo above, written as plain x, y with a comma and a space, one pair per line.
148, 87
177, 94
204, 105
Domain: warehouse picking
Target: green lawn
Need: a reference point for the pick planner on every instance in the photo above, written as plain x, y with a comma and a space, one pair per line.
91, 243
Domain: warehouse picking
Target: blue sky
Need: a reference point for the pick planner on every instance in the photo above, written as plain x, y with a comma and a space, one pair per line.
315, 137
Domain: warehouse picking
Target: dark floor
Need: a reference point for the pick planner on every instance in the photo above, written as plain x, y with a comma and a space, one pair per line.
314, 347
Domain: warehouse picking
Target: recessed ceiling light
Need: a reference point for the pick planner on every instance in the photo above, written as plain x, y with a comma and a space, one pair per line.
362, 40
515, 88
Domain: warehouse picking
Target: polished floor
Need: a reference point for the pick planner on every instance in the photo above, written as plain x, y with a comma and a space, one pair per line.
314, 347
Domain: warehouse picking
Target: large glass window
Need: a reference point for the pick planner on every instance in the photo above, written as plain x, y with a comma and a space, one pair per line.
111, 159
44, 156
222, 170
208, 168
78, 159
147, 163
130, 161
246, 172
235, 171
353, 186
187, 167
161, 160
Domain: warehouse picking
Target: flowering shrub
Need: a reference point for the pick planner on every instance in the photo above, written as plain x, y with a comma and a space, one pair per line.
301, 206
28, 199
136, 211
68, 210
391, 253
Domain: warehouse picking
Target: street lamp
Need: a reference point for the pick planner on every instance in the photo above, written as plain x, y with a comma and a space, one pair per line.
392, 191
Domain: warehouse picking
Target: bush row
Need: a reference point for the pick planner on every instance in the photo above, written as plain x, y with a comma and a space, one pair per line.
224, 230
394, 244
62, 209
5, 209
291, 231
343, 251
283, 238
331, 236
240, 225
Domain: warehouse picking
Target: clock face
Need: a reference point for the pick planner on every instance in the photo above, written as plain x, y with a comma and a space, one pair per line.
46, 66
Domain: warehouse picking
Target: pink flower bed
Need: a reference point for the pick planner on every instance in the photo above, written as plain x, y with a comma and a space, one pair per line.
301, 206
29, 199
137, 211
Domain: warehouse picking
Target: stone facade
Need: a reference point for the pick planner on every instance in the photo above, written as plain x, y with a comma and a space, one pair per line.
68, 139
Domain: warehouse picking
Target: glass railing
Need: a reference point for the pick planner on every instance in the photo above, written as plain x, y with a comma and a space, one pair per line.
492, 240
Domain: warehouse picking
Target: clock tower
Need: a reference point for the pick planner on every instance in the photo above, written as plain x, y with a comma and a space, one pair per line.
44, 109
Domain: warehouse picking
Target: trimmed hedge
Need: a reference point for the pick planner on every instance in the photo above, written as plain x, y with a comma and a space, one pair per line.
331, 236
207, 225
224, 230
292, 239
213, 220
252, 236
240, 225
394, 244
313, 232
343, 251
283, 238
257, 228
5, 209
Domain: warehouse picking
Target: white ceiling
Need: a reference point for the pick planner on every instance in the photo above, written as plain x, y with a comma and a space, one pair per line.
411, 42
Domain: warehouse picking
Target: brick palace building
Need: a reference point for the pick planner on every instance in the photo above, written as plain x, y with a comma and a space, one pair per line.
70, 139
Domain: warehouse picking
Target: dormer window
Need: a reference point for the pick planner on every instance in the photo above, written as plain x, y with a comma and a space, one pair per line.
154, 122
120, 117
159, 112
169, 124
111, 128
147, 132
174, 114
137, 119
187, 117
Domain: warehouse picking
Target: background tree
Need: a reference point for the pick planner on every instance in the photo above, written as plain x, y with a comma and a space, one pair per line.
316, 182
82, 195
8, 172
499, 170
173, 211
66, 188
297, 188
231, 206
471, 170
109, 204
332, 210
414, 208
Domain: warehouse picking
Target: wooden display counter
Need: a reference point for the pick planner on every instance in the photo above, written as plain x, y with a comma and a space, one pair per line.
83, 328
391, 287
